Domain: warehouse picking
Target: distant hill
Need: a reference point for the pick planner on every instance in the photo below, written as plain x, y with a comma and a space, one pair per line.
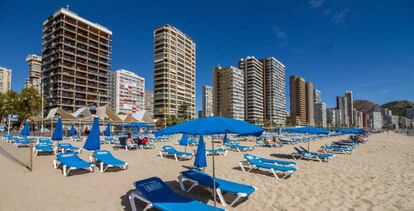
363, 105
397, 107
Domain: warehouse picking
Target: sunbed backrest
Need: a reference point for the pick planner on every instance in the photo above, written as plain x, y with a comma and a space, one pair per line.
122, 140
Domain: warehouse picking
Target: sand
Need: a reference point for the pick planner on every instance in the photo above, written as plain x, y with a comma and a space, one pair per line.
379, 175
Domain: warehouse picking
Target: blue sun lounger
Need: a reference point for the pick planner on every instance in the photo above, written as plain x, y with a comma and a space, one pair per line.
71, 161
222, 186
304, 154
252, 163
21, 142
336, 149
65, 147
109, 140
156, 194
271, 161
169, 150
107, 160
44, 141
239, 148
271, 145
43, 148
221, 152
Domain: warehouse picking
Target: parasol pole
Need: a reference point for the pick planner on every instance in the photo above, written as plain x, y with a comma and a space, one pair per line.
214, 174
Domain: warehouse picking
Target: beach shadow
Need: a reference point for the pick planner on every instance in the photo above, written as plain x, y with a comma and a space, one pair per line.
12, 158
282, 156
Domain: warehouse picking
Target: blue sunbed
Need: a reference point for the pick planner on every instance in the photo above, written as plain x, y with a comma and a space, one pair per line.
66, 147
107, 160
170, 150
221, 152
44, 141
238, 147
336, 149
304, 154
71, 161
43, 147
264, 144
156, 194
22, 142
252, 163
222, 186
272, 161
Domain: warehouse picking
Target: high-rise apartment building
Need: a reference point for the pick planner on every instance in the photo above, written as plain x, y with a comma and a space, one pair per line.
310, 118
350, 107
274, 92
149, 102
253, 89
35, 71
317, 96
228, 92
207, 101
174, 72
76, 60
341, 104
297, 100
5, 79
127, 92
330, 117
320, 114
301, 101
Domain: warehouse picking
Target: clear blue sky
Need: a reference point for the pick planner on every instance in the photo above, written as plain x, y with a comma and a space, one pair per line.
364, 46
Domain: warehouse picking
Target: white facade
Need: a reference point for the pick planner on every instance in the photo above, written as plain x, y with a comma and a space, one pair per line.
375, 120
207, 101
5, 79
317, 96
320, 114
127, 92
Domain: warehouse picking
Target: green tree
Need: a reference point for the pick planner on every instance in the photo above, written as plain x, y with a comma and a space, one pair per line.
30, 103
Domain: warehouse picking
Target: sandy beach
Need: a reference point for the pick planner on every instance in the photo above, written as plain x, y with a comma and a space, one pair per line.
379, 175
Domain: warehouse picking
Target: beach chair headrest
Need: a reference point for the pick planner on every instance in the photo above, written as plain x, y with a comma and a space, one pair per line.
66, 155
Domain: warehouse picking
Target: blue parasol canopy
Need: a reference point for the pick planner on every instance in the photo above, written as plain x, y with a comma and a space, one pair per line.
93, 142
26, 129
200, 158
72, 130
214, 125
308, 129
184, 140
58, 132
351, 131
108, 130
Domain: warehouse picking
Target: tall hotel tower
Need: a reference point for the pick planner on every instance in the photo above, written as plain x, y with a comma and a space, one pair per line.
301, 101
35, 72
76, 60
228, 92
174, 72
253, 88
274, 92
